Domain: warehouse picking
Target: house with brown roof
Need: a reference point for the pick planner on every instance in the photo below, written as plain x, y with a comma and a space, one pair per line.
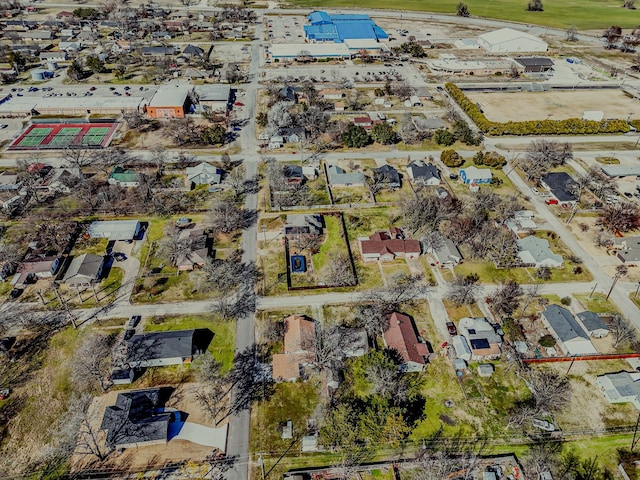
402, 337
299, 349
197, 252
35, 268
388, 246
363, 121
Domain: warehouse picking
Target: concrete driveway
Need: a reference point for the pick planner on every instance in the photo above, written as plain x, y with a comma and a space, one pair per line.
131, 267
202, 435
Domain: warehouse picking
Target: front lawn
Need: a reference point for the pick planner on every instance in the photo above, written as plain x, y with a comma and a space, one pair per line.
222, 347
597, 303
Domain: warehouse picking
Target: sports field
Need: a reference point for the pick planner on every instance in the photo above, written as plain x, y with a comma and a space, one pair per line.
62, 135
584, 14
554, 104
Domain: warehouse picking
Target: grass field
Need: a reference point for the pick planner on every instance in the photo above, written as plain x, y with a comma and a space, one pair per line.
585, 14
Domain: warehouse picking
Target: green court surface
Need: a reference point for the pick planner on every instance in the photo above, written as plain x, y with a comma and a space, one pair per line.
35, 137
92, 139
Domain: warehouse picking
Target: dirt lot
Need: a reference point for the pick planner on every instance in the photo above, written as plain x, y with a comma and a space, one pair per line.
556, 104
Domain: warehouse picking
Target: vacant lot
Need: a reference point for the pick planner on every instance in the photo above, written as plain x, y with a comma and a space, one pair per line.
585, 14
556, 105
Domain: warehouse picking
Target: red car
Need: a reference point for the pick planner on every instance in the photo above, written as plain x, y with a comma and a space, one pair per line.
551, 201
451, 327
4, 393
239, 104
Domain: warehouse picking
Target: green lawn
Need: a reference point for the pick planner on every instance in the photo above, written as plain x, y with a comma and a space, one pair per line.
224, 333
488, 272
596, 303
333, 243
586, 14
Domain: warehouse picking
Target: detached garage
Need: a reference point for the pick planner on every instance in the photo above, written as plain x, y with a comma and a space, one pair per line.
507, 40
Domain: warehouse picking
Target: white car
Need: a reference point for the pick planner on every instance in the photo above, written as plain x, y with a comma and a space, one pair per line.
535, 191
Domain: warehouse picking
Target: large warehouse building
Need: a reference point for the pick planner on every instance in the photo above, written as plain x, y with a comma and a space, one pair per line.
324, 27
507, 40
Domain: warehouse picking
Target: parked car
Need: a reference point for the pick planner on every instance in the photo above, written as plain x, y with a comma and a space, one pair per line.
535, 191
119, 256
133, 321
130, 332
3, 125
451, 327
183, 222
551, 201
4, 393
15, 293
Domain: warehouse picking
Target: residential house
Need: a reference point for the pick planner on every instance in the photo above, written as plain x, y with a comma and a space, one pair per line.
481, 337
561, 186
363, 121
387, 176
33, 269
428, 124
75, 46
535, 252
486, 370
388, 246
299, 349
275, 142
475, 176
401, 336
84, 270
293, 134
331, 94
461, 347
161, 35
300, 224
593, 324
447, 254
60, 180
534, 64
124, 178
620, 387
137, 419
293, 174
423, 174
57, 56
198, 250
192, 51
9, 181
115, 229
569, 335
157, 51
158, 349
204, 174
522, 223
340, 178
288, 93
36, 35
628, 250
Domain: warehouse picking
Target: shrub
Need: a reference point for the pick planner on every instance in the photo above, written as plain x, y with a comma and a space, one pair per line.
547, 341
451, 158
566, 301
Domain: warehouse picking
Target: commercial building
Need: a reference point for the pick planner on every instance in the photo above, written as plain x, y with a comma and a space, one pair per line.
507, 40
324, 27
214, 98
170, 101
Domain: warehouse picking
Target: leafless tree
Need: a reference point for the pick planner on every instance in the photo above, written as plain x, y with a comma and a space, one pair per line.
572, 33
91, 363
502, 248
444, 457
215, 388
219, 464
331, 345
600, 183
506, 299
402, 90
530, 294
235, 179
463, 290
622, 331
619, 217
178, 246
426, 212
79, 157
544, 154
279, 116
373, 317
542, 457
112, 157
159, 158
611, 36
227, 217
338, 271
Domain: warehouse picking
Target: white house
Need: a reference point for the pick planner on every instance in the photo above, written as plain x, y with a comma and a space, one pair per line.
461, 347
621, 387
569, 335
115, 229
204, 174
507, 40
475, 175
593, 324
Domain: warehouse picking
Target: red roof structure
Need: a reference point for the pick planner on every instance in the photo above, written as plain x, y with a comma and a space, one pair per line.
387, 246
401, 336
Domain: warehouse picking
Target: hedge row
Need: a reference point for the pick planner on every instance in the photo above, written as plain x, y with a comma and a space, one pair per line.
570, 126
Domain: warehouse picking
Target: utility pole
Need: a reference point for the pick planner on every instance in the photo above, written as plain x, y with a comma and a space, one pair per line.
636, 437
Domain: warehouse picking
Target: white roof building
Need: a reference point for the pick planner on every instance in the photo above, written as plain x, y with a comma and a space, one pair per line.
621, 387
115, 229
507, 40
570, 336
171, 95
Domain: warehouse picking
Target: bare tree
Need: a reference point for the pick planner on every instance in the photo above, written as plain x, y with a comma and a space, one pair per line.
572, 33
178, 246
622, 331
619, 217
235, 179
338, 271
506, 299
542, 457
215, 389
79, 157
159, 158
374, 318
544, 154
227, 217
463, 290
91, 363
331, 344
226, 275
611, 36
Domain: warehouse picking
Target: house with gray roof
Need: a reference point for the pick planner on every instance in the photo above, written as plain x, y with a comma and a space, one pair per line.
569, 335
628, 249
306, 225
338, 177
84, 270
620, 387
535, 252
447, 254
136, 419
204, 174
561, 186
387, 176
115, 229
158, 349
423, 174
593, 324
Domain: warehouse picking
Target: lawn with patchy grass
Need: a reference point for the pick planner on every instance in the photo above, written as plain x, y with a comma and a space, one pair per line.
597, 303
458, 312
333, 243
488, 272
222, 346
587, 14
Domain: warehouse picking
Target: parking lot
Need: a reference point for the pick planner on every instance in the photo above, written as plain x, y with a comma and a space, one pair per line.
44, 91
285, 28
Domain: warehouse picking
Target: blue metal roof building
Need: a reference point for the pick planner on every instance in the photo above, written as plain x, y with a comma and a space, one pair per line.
338, 28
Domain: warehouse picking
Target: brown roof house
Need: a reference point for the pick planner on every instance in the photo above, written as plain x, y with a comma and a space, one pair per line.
35, 268
388, 245
402, 337
299, 349
198, 250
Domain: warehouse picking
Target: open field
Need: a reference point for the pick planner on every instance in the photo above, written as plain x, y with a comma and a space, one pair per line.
589, 14
558, 105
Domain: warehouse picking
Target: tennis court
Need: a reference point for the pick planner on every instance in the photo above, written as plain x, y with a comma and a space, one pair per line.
64, 135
